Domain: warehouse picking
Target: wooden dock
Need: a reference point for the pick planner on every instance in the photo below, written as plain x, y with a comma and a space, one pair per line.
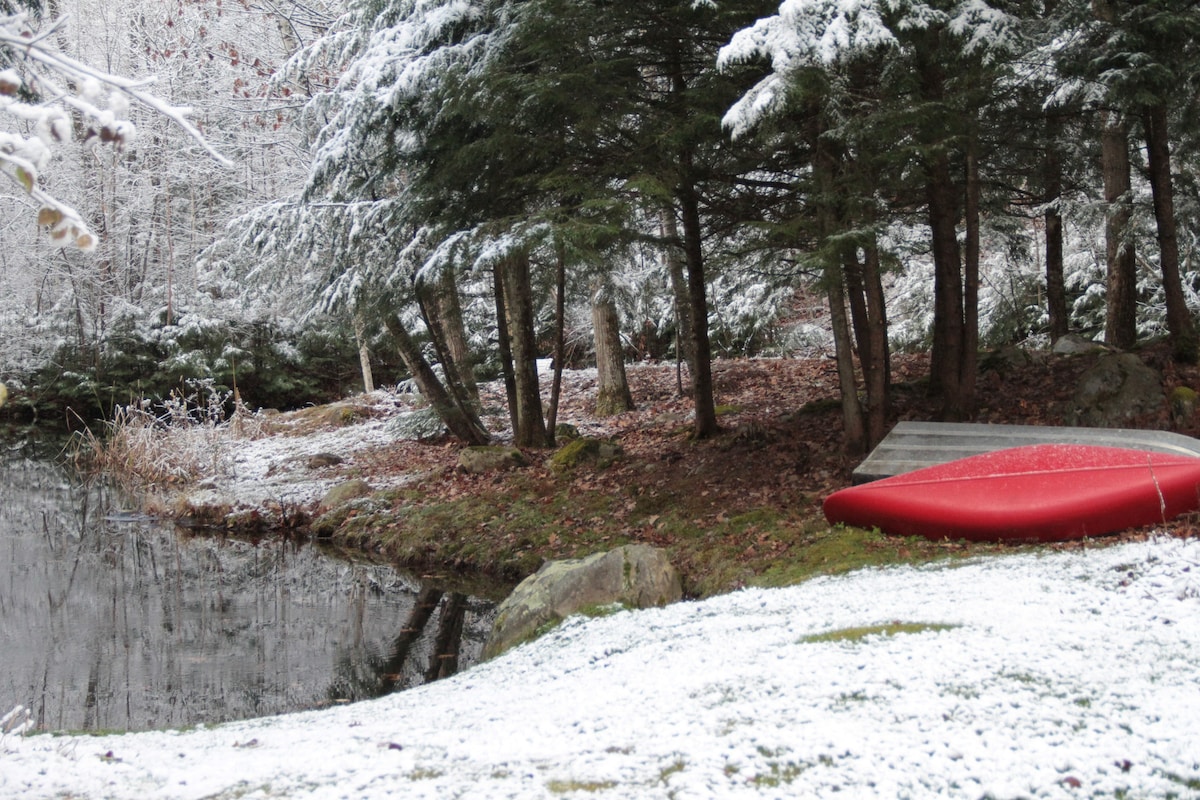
913, 445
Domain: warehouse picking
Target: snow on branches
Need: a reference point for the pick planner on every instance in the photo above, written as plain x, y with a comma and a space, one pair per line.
821, 33
48, 98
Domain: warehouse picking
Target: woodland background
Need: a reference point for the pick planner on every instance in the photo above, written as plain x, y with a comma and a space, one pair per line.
449, 190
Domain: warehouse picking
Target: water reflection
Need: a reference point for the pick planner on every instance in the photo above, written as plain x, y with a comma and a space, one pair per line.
108, 621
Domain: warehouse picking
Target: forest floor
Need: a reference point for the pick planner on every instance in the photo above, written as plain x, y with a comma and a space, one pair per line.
743, 508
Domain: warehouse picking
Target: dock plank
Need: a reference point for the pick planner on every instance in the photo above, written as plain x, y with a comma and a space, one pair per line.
913, 445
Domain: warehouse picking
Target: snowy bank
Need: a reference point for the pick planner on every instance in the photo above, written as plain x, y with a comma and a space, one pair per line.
1058, 675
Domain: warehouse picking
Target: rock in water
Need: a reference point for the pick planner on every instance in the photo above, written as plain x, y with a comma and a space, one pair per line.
636, 575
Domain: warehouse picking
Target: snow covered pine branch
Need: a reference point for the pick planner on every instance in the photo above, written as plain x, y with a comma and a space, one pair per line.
37, 90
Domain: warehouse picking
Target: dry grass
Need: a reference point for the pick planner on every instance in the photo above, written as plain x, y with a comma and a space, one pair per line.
184, 440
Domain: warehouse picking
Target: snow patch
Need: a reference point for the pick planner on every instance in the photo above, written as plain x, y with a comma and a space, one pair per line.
1051, 676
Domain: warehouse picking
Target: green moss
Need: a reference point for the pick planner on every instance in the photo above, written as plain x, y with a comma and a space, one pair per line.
603, 610
1190, 783
1183, 405
674, 768
568, 786
423, 774
833, 551
1183, 394
503, 533
858, 634
780, 774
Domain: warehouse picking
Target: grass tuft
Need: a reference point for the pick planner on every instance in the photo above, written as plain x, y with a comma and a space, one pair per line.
185, 439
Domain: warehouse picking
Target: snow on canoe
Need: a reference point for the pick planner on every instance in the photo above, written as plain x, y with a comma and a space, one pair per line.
1043, 493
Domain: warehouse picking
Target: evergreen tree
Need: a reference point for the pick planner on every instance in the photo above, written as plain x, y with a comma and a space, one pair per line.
1138, 63
576, 101
901, 93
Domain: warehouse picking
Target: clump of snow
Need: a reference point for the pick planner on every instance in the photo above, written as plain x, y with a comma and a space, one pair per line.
1054, 675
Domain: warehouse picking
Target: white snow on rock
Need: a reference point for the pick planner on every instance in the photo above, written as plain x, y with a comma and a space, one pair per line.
1060, 675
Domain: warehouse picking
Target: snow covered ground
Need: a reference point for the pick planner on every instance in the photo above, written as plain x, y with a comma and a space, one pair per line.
1060, 675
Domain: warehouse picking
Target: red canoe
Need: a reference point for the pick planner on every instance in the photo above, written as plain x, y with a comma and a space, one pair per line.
1040, 493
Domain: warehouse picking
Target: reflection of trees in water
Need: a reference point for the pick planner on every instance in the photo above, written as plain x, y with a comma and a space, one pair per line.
427, 648
109, 621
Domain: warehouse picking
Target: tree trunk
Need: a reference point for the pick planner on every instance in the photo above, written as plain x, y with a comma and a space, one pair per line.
502, 339
878, 377
856, 295
364, 353
1056, 287
948, 331
455, 333
518, 306
612, 395
462, 423
969, 358
560, 339
1120, 321
679, 291
1179, 321
702, 383
688, 197
431, 306
852, 412
841, 270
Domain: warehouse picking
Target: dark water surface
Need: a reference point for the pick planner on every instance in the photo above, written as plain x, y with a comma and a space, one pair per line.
113, 622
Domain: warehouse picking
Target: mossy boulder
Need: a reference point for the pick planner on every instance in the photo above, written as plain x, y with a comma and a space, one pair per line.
634, 576
1183, 406
322, 460
484, 459
333, 415
343, 493
565, 432
579, 451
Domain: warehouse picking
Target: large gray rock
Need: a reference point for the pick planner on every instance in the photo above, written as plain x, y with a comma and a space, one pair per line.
637, 575
1118, 389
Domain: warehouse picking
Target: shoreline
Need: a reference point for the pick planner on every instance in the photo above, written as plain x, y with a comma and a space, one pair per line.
742, 509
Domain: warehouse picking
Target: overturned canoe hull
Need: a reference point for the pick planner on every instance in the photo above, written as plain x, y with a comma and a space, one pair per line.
1034, 493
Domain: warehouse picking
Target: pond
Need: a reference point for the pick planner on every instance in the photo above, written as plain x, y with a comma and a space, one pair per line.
110, 621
